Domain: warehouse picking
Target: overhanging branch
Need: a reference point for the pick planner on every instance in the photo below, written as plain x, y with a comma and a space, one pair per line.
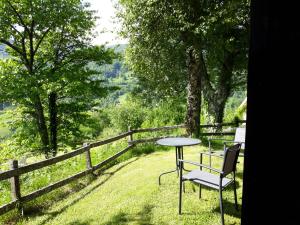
12, 46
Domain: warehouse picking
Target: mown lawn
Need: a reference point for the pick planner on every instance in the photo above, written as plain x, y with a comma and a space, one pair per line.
128, 193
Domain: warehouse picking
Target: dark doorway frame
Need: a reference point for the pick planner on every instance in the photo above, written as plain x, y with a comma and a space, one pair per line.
270, 194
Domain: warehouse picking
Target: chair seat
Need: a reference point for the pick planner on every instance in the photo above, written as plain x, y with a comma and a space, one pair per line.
207, 179
221, 153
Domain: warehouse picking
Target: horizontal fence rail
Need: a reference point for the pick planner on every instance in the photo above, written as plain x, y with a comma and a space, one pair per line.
216, 125
151, 139
16, 171
110, 140
112, 158
159, 128
41, 164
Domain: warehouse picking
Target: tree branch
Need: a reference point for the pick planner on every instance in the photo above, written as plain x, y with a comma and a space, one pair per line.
16, 30
24, 55
31, 34
18, 15
41, 39
12, 46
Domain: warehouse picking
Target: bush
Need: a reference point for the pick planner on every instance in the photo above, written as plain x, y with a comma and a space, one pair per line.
126, 114
165, 113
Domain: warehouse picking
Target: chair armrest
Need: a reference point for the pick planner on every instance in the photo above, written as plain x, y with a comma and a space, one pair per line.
236, 142
212, 154
199, 164
217, 139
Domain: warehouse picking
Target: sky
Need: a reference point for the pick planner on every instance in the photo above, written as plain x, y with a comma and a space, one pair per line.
106, 23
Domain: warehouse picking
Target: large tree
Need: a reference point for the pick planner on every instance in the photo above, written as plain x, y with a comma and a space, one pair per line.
47, 72
190, 44
225, 54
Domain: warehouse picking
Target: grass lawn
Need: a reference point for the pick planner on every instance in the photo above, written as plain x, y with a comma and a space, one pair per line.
4, 119
128, 193
4, 131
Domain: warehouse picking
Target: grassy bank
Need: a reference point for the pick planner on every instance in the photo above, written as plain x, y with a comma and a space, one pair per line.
128, 193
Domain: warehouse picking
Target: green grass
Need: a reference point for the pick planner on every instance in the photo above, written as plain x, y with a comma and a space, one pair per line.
4, 131
128, 193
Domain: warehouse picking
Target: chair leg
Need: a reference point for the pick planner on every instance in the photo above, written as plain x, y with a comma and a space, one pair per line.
180, 197
209, 156
200, 187
180, 187
221, 206
177, 165
200, 190
235, 196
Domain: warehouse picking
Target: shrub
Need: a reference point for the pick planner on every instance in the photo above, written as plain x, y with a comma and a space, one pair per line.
127, 113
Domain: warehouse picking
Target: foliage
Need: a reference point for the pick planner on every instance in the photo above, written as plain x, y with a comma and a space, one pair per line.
165, 113
154, 54
234, 109
4, 121
162, 33
127, 113
47, 72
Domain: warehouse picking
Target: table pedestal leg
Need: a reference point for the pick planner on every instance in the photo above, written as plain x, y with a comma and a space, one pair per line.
179, 155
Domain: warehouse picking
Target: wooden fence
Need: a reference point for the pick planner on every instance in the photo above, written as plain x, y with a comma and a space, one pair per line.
16, 171
203, 127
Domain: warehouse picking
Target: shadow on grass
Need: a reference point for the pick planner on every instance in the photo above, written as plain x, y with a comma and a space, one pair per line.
36, 211
195, 187
228, 206
229, 209
77, 222
141, 218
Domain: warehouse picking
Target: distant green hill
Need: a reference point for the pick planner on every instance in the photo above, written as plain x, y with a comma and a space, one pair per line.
120, 48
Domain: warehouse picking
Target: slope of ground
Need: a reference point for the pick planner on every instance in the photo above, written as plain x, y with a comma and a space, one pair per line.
128, 193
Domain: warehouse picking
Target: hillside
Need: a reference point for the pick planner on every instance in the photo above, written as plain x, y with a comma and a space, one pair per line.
128, 193
120, 48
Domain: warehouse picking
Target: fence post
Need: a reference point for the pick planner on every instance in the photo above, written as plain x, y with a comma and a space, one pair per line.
15, 186
88, 157
130, 138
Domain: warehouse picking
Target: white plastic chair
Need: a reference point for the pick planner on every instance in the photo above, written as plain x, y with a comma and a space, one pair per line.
239, 138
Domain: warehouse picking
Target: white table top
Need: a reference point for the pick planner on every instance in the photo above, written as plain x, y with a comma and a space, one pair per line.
178, 141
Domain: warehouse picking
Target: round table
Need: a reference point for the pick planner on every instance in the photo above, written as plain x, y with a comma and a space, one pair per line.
178, 143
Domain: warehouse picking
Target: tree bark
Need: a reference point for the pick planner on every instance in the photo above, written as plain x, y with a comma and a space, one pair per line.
216, 97
53, 122
41, 123
194, 93
224, 87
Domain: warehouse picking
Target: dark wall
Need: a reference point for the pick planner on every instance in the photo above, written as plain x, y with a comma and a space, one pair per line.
270, 192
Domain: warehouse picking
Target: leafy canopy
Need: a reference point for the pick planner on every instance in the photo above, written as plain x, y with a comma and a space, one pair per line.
50, 52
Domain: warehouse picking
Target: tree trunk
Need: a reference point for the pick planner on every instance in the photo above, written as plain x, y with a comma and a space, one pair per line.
53, 122
41, 123
224, 88
219, 113
217, 97
194, 94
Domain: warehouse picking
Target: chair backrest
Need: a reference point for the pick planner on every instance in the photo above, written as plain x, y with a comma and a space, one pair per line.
230, 159
240, 136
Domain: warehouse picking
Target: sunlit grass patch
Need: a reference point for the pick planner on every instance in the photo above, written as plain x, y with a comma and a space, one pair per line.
128, 193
